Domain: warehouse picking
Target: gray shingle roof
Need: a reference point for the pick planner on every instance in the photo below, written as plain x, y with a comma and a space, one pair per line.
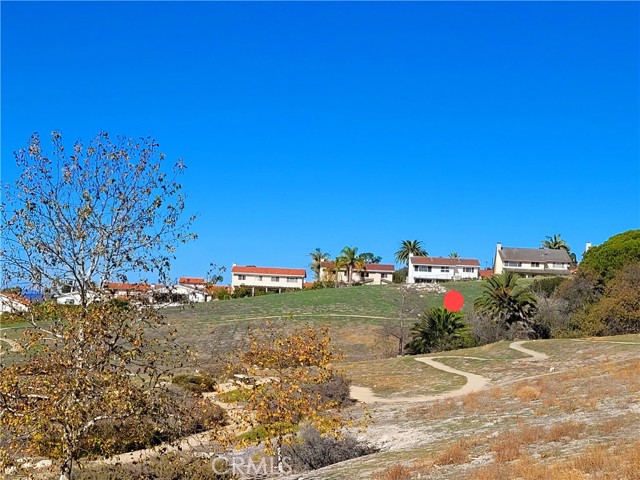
534, 255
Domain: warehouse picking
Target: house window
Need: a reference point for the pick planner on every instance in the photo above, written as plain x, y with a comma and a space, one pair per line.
444, 269
259, 278
423, 269
241, 277
535, 264
384, 275
558, 265
275, 279
467, 269
291, 280
513, 264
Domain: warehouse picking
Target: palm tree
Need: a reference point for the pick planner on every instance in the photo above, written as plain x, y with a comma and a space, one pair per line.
439, 329
317, 257
338, 264
351, 260
507, 303
454, 255
555, 243
410, 248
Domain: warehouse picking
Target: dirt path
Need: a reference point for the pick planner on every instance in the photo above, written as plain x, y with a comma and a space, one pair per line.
533, 354
474, 382
15, 346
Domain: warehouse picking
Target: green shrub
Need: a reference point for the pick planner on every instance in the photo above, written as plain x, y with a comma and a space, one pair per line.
234, 396
195, 383
400, 276
545, 287
610, 257
241, 292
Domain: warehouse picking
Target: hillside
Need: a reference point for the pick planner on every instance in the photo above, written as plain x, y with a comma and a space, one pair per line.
354, 315
570, 411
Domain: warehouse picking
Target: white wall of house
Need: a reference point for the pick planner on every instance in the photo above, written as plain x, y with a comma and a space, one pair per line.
420, 273
498, 266
266, 280
193, 294
8, 305
71, 298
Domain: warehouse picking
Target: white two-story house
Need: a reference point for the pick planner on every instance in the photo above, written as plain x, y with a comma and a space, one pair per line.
435, 269
267, 278
530, 262
371, 274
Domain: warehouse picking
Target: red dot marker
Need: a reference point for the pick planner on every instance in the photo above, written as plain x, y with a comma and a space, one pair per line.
453, 300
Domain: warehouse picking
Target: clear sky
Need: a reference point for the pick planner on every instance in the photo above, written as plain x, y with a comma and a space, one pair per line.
309, 125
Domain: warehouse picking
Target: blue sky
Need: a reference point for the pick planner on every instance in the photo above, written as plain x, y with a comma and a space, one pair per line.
309, 125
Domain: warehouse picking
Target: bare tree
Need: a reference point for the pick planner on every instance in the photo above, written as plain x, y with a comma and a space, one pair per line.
410, 306
97, 214
104, 211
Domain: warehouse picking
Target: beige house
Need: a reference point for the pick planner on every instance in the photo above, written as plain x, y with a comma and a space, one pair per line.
530, 262
372, 274
267, 278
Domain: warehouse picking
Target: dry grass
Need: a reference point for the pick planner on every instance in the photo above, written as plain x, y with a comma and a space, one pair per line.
394, 472
563, 430
401, 377
456, 453
527, 393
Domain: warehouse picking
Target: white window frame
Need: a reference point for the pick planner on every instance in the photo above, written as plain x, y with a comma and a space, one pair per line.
275, 279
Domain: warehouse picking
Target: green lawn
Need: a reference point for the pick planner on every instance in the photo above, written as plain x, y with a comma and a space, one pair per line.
374, 303
354, 315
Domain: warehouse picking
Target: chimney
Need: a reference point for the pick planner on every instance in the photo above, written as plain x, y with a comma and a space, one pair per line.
233, 265
499, 246
587, 247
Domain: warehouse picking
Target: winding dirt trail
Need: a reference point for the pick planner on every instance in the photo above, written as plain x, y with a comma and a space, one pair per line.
474, 382
532, 353
15, 346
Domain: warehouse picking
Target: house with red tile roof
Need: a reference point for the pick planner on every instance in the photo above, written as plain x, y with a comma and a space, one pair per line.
370, 274
10, 302
267, 279
435, 269
193, 281
486, 272
127, 290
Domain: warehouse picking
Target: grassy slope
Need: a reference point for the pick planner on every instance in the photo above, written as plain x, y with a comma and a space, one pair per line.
353, 315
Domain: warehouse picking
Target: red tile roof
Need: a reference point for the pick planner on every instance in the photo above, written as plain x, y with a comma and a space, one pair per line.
140, 287
486, 272
449, 262
17, 298
288, 272
191, 281
217, 288
371, 267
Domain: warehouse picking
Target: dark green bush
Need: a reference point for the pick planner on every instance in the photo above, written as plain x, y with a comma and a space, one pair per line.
195, 383
312, 450
610, 257
545, 287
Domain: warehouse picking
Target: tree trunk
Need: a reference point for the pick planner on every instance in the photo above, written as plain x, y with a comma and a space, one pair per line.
65, 469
